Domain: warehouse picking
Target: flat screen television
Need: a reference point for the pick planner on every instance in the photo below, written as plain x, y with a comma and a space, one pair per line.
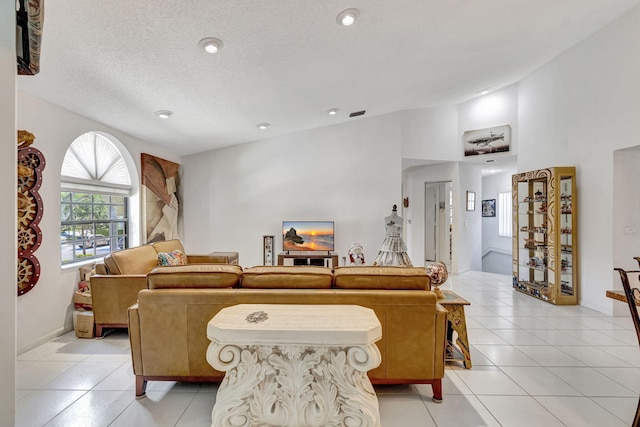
307, 235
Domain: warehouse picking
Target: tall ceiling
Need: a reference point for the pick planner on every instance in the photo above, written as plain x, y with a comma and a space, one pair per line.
286, 62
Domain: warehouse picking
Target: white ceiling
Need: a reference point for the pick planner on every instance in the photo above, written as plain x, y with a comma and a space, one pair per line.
287, 62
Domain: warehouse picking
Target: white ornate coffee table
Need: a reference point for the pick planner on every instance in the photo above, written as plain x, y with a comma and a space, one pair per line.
295, 365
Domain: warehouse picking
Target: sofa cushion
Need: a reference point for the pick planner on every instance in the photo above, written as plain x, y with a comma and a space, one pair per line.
287, 277
176, 257
381, 278
138, 260
168, 246
195, 276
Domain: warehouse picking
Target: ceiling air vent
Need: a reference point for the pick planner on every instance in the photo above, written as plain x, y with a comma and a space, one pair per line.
357, 113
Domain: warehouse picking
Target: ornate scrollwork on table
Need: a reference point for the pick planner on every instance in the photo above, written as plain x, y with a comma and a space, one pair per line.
302, 386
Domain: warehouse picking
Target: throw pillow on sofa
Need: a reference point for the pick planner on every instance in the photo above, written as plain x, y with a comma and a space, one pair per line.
172, 258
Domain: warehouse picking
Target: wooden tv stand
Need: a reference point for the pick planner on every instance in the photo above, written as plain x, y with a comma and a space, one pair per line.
319, 259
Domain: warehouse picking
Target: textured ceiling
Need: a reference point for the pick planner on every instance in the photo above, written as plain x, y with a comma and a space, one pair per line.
287, 62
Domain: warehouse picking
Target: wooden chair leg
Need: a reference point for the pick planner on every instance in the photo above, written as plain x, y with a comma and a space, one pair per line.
437, 391
141, 386
631, 294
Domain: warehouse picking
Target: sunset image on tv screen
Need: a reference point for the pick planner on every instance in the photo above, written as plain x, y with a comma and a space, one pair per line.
307, 235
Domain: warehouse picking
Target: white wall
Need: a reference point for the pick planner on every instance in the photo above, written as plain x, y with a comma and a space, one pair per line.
8, 249
435, 134
348, 173
431, 133
587, 97
414, 180
496, 249
496, 108
626, 215
466, 234
469, 223
46, 310
626, 212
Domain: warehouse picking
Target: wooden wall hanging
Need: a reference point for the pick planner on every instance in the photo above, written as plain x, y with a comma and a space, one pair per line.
30, 208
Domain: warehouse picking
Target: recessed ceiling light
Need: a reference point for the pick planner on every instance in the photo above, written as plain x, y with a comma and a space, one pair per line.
333, 111
263, 126
210, 44
164, 114
347, 17
484, 92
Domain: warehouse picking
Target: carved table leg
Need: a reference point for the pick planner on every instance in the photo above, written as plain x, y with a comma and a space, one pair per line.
459, 324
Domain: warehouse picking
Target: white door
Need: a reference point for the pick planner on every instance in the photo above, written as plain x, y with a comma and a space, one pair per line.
437, 223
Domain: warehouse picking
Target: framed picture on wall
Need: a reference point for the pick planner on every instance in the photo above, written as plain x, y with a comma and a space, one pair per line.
489, 207
471, 200
267, 247
495, 140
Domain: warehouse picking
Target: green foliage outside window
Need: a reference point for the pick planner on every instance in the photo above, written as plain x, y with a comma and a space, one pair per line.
92, 225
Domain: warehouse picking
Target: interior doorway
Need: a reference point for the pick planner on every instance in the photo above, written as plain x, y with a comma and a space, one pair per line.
438, 222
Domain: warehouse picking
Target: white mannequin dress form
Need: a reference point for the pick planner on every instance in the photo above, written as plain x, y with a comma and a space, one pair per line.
393, 250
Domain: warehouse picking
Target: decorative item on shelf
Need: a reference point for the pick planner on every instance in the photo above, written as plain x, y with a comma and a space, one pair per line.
393, 250
405, 202
438, 274
542, 209
356, 254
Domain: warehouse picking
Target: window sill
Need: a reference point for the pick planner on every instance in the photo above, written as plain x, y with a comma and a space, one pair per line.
73, 265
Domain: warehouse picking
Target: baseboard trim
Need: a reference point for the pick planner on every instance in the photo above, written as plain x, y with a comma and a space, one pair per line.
43, 339
500, 251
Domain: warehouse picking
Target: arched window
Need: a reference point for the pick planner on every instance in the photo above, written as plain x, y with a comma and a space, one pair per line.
94, 190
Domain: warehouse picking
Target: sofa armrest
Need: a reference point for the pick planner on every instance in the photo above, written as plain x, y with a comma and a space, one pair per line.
112, 295
134, 339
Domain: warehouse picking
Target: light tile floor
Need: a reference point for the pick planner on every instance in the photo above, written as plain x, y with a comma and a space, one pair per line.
534, 364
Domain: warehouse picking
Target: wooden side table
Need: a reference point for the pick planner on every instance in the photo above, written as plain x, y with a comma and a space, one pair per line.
295, 365
454, 304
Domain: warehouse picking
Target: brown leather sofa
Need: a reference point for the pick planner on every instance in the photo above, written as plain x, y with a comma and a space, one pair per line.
117, 281
168, 325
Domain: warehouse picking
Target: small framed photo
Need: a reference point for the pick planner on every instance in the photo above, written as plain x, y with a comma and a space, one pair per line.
471, 200
489, 207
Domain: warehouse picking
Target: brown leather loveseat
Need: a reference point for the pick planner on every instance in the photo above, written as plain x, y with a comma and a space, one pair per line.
115, 286
167, 326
